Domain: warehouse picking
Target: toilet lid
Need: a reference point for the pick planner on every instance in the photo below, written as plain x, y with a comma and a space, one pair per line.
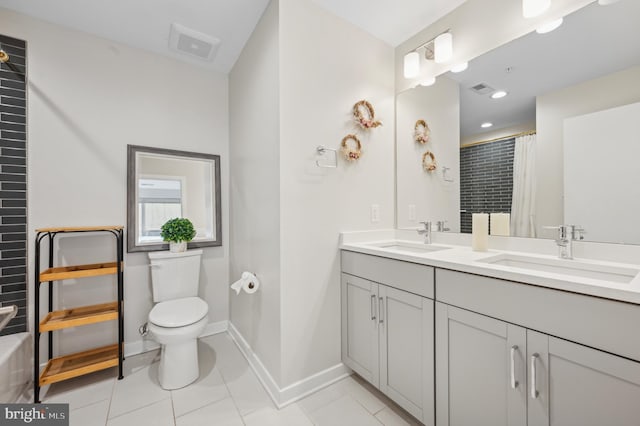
178, 312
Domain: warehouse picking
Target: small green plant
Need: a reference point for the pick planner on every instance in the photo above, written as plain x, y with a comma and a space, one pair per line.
177, 230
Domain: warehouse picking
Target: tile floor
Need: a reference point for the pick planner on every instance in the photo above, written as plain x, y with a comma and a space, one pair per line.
227, 393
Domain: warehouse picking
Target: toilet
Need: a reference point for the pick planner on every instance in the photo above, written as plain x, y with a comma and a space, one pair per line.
178, 316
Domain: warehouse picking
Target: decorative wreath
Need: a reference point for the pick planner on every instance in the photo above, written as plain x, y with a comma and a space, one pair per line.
429, 163
349, 152
368, 120
421, 132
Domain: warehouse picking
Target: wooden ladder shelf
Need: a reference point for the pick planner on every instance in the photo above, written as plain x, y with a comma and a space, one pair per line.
77, 364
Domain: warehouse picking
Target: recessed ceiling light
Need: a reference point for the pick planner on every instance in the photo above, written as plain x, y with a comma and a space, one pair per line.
499, 94
486, 125
428, 81
549, 26
460, 67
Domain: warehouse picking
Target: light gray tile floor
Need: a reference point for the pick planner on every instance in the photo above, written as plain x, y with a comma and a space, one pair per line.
227, 393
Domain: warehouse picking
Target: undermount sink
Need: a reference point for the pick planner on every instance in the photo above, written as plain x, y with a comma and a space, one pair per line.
409, 247
574, 268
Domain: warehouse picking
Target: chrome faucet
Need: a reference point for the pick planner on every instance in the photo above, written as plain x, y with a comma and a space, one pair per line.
426, 231
567, 234
440, 227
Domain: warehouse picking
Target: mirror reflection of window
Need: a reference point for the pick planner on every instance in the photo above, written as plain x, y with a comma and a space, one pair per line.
163, 184
159, 199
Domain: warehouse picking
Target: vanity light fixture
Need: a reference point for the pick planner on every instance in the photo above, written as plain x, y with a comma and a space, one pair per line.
499, 94
486, 125
460, 67
533, 8
411, 64
439, 49
549, 26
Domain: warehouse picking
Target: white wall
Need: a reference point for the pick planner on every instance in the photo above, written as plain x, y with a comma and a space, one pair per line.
255, 188
326, 66
88, 98
433, 198
503, 133
601, 152
552, 109
477, 27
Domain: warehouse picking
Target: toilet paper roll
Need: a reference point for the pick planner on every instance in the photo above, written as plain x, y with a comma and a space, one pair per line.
248, 283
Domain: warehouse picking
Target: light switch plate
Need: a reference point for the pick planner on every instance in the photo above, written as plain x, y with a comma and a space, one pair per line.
375, 213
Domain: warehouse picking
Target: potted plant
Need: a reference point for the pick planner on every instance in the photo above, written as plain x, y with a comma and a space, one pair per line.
178, 232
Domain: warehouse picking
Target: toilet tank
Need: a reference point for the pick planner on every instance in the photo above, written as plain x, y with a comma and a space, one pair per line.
174, 275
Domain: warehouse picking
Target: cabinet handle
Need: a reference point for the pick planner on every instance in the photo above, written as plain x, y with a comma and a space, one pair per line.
514, 382
381, 305
534, 390
373, 307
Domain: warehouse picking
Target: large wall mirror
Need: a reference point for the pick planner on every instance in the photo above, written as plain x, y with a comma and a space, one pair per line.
562, 146
163, 184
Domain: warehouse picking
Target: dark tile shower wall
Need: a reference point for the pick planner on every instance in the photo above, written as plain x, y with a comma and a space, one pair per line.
13, 185
486, 180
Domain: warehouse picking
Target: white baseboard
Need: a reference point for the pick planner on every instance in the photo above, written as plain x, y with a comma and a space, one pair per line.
148, 344
294, 392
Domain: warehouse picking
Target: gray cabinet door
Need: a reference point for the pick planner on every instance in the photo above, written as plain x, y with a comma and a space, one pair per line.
406, 351
360, 327
578, 385
480, 370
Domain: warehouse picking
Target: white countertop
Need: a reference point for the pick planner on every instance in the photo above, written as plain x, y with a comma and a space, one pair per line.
463, 259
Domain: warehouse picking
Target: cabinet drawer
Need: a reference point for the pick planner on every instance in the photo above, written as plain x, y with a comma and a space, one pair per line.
600, 323
411, 277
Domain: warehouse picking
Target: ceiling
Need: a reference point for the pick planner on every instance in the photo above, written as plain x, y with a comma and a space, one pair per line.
592, 42
145, 24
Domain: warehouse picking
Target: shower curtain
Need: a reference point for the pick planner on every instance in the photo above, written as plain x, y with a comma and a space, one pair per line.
523, 200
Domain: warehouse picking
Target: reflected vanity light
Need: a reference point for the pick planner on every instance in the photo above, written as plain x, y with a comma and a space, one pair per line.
549, 26
411, 64
499, 94
460, 67
486, 125
430, 81
533, 8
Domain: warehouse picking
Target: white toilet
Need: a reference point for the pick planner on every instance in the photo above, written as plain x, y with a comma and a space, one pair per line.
179, 315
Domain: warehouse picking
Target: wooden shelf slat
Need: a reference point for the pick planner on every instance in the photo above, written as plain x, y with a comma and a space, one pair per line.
81, 229
78, 364
79, 271
82, 315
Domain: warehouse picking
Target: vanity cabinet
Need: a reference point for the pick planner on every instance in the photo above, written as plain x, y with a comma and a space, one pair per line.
388, 334
492, 372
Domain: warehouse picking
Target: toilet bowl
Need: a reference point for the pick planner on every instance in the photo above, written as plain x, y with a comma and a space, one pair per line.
178, 317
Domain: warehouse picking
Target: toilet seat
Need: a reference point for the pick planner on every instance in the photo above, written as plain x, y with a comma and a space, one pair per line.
178, 312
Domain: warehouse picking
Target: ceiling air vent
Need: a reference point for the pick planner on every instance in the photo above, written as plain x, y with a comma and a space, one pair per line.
481, 89
192, 42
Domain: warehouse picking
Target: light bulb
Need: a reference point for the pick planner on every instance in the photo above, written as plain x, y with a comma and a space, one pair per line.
486, 125
443, 48
411, 65
533, 8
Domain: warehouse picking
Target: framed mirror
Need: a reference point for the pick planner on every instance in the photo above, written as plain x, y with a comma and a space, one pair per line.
557, 146
163, 184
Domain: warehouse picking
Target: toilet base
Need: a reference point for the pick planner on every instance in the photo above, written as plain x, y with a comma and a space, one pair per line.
179, 364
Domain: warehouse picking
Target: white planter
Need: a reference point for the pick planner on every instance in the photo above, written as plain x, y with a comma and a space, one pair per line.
177, 247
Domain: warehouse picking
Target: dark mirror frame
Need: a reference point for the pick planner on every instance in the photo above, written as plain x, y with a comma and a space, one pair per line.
132, 151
